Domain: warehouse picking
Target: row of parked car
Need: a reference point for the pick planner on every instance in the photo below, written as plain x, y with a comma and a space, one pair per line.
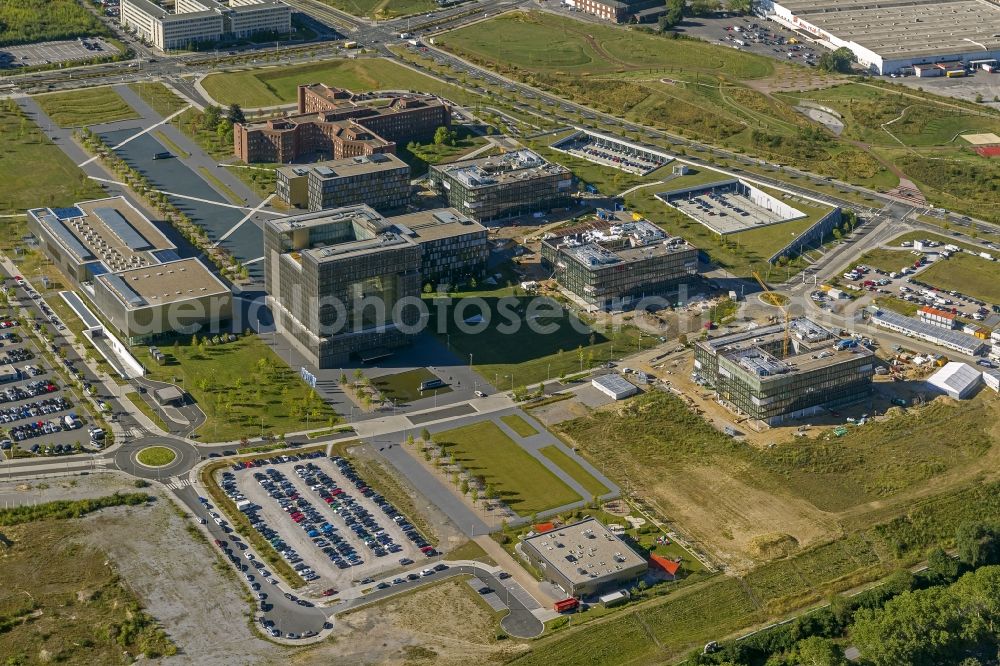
16, 355
29, 390
32, 409
300, 510
409, 530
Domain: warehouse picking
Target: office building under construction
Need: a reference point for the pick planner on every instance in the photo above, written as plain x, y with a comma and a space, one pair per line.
784, 371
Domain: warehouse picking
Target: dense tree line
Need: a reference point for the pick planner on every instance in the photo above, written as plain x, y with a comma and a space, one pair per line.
29, 21
63, 509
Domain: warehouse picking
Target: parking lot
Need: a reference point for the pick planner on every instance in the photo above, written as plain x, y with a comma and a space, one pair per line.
323, 519
755, 35
611, 153
37, 414
47, 53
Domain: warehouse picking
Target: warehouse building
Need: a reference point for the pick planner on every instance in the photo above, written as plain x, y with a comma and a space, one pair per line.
130, 269
916, 328
956, 380
340, 124
345, 282
614, 386
381, 180
584, 559
194, 21
936, 317
619, 260
504, 186
771, 373
903, 36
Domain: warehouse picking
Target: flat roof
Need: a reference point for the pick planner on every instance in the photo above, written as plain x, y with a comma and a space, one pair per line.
362, 230
110, 230
920, 327
615, 382
495, 170
351, 166
906, 28
164, 283
429, 225
584, 551
609, 243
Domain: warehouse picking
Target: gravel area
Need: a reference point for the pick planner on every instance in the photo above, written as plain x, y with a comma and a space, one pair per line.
174, 575
16, 493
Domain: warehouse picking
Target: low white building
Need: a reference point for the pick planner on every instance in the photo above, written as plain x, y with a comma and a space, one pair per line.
614, 385
991, 377
957, 380
195, 21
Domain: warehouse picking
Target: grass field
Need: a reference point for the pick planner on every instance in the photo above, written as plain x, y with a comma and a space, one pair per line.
144, 407
30, 21
52, 180
886, 260
160, 98
156, 456
61, 598
82, 108
404, 387
548, 342
519, 425
567, 464
969, 275
383, 9
243, 388
274, 85
522, 482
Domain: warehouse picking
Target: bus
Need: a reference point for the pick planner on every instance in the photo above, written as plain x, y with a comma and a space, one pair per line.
429, 384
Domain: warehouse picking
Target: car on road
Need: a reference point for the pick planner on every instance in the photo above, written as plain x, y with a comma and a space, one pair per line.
485, 590
427, 572
382, 586
503, 575
480, 394
398, 581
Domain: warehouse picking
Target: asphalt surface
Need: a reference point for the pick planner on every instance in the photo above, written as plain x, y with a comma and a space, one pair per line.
187, 456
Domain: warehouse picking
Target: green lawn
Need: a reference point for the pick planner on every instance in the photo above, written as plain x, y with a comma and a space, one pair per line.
156, 456
144, 407
404, 387
944, 240
383, 9
519, 425
31, 21
546, 42
886, 260
82, 108
51, 180
560, 343
897, 305
522, 482
969, 275
277, 85
243, 388
569, 465
159, 97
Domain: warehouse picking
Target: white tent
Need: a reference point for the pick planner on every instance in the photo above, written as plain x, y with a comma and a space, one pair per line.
958, 380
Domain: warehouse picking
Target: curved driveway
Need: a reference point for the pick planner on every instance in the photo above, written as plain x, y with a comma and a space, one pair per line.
125, 457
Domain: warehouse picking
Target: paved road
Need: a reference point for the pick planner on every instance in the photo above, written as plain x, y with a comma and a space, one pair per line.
187, 457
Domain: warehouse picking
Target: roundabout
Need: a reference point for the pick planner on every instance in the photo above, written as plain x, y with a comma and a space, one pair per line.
155, 456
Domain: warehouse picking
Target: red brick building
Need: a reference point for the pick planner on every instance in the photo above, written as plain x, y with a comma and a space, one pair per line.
339, 123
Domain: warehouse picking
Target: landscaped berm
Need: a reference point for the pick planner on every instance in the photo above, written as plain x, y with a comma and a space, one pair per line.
156, 456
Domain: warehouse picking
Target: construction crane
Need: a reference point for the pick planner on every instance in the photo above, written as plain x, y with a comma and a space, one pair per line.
784, 310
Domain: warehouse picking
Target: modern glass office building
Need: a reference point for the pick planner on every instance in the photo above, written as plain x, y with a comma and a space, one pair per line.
769, 375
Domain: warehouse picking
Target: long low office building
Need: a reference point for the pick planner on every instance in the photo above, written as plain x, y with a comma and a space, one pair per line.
619, 260
954, 340
194, 21
898, 36
131, 270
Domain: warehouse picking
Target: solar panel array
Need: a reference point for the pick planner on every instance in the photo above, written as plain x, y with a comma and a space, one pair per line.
124, 290
122, 229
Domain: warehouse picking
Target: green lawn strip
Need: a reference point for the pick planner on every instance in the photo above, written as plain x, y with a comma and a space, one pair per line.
53, 179
217, 148
316, 434
169, 143
64, 509
221, 187
519, 425
575, 470
404, 387
243, 527
260, 178
944, 240
144, 407
966, 228
969, 275
156, 456
243, 388
82, 108
897, 305
390, 486
470, 550
159, 97
271, 86
523, 483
